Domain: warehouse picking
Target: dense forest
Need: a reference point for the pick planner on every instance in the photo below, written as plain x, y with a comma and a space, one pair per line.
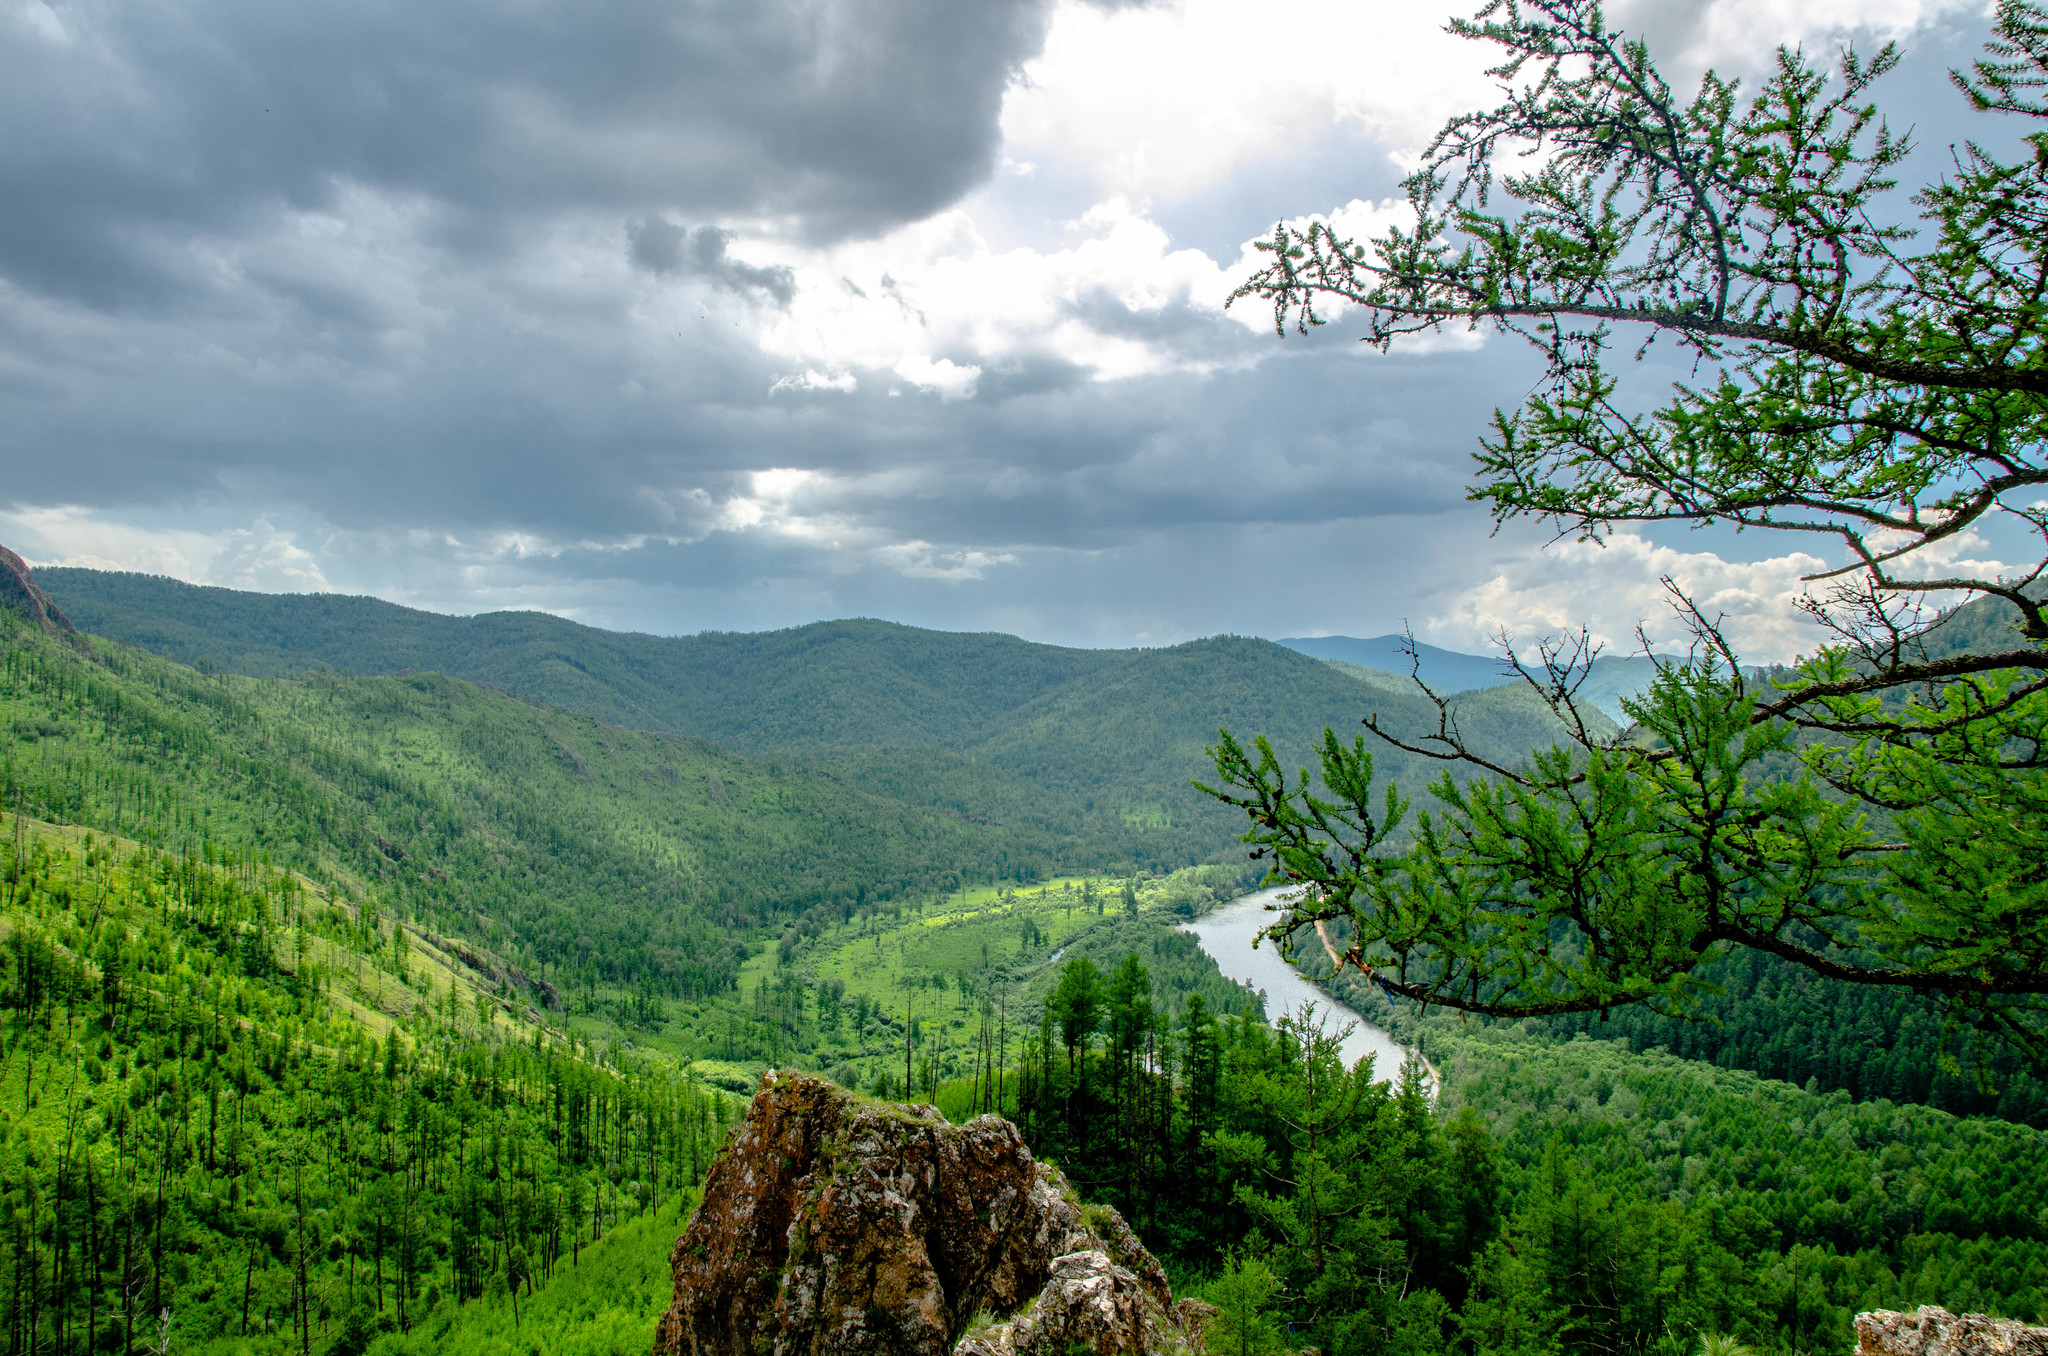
1770, 1016
1563, 1195
244, 1112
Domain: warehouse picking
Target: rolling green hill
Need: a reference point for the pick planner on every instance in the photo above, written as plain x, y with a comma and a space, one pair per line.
573, 843
827, 685
1092, 749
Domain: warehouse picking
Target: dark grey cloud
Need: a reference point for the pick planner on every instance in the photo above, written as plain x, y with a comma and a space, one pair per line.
579, 427
131, 128
449, 296
664, 248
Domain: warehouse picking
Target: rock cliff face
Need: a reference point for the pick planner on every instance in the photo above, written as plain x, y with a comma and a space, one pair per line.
18, 590
833, 1224
1937, 1332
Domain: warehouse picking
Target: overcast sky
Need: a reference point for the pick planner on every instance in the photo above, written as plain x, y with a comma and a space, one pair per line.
676, 315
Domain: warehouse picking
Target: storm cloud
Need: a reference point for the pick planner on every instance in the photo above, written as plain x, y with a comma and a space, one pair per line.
695, 313
135, 126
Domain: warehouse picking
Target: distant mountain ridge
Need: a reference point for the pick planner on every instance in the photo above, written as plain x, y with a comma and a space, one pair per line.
751, 690
1449, 671
1445, 670
1100, 745
1095, 748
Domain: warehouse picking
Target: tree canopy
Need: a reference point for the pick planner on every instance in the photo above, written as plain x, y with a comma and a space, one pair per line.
1868, 373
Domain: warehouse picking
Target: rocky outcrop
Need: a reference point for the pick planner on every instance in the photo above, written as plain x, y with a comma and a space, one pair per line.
19, 591
834, 1224
1929, 1331
1091, 1304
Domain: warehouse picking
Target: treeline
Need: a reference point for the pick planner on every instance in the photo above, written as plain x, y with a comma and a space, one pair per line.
1779, 1020
206, 1138
1562, 1198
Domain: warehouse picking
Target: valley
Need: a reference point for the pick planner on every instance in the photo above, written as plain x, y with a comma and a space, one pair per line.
1082, 757
375, 1012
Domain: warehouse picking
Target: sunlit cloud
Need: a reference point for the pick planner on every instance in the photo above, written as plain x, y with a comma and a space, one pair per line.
256, 557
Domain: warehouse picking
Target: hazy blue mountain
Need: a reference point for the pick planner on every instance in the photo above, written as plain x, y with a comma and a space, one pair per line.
1445, 670
1617, 676
1383, 662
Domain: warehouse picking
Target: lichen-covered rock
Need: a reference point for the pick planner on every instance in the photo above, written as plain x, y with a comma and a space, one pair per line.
1930, 1331
1193, 1315
835, 1224
1124, 1249
1091, 1304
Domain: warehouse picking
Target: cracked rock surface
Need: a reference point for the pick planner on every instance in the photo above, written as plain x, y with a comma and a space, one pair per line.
832, 1223
1091, 1304
1932, 1331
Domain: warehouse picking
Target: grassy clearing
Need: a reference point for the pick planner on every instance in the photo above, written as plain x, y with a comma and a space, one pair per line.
985, 932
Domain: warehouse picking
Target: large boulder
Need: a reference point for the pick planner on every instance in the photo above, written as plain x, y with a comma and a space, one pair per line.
1930, 1331
832, 1223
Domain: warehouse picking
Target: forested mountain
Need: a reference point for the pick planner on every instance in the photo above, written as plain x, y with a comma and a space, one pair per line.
573, 842
1094, 747
830, 684
247, 1113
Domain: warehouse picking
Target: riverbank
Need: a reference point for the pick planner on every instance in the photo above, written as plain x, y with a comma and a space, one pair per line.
1228, 933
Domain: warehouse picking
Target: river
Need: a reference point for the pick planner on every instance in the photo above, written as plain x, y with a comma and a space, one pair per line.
1227, 934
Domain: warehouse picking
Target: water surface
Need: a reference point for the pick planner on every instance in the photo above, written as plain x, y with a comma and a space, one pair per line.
1227, 936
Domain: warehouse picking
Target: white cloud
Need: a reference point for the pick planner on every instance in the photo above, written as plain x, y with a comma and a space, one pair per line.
1165, 101
1739, 35
811, 379
1168, 99
951, 380
921, 560
935, 301
1944, 559
795, 506
1615, 588
257, 557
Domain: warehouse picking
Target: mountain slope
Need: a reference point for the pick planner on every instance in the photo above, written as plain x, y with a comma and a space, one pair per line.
579, 843
245, 1114
826, 685
1092, 747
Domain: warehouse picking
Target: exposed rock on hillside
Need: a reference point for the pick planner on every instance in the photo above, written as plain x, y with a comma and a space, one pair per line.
18, 590
834, 1224
1091, 1304
1937, 1332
